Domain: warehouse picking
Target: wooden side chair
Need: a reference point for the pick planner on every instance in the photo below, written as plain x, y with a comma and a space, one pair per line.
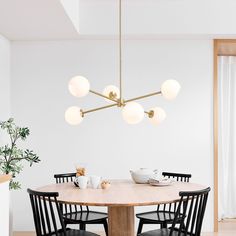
165, 213
188, 216
48, 218
74, 214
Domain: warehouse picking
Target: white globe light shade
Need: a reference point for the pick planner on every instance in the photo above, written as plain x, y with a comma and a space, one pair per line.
159, 115
170, 89
111, 89
79, 86
133, 113
73, 115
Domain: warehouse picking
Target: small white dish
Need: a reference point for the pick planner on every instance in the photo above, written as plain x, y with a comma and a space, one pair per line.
160, 182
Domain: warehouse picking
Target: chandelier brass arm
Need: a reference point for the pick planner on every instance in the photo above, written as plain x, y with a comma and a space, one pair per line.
119, 103
101, 95
128, 100
98, 108
144, 96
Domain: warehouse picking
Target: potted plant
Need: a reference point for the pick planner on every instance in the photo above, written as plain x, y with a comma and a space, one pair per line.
11, 156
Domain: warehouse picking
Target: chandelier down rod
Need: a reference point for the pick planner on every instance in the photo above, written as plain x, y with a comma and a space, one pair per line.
120, 49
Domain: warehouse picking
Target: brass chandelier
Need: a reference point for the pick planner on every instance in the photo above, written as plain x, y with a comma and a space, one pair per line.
132, 111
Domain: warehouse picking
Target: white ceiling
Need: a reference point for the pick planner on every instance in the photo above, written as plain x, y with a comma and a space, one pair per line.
159, 18
60, 19
35, 20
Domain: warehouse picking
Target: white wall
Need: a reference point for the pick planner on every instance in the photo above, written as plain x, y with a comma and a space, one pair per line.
40, 73
4, 114
5, 109
4, 78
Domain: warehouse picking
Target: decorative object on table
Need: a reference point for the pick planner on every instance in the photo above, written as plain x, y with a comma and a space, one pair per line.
164, 213
50, 222
132, 111
80, 168
143, 175
188, 216
11, 156
157, 181
95, 181
77, 214
80, 171
105, 184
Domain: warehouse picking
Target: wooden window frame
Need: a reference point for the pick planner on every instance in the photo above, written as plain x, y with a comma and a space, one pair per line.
222, 47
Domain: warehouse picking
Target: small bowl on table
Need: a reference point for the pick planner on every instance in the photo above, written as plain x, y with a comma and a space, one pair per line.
105, 184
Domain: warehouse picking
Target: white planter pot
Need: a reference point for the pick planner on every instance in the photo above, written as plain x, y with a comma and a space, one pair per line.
4, 206
10, 215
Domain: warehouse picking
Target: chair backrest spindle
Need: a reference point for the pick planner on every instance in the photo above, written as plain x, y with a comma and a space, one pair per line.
177, 176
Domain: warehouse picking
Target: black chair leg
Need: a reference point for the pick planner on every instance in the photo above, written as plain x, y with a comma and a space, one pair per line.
140, 227
164, 225
66, 223
82, 226
105, 227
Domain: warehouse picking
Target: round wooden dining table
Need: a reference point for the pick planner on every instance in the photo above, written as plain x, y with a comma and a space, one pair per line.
120, 198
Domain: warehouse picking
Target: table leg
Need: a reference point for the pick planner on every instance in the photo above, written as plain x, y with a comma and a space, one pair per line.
121, 221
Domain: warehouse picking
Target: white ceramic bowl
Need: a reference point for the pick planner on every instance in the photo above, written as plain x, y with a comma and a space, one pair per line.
140, 179
142, 176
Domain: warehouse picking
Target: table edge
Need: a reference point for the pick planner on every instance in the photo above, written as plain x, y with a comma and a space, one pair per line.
151, 203
117, 204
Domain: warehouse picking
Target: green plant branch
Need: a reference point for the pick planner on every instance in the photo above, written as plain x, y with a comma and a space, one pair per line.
11, 156
13, 141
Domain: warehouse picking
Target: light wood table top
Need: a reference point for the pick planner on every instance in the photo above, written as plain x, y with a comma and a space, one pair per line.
120, 193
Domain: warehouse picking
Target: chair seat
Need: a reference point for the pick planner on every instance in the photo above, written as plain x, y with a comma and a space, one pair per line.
85, 216
74, 232
157, 216
161, 232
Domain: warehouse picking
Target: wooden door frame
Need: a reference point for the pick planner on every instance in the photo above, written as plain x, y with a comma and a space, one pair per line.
222, 47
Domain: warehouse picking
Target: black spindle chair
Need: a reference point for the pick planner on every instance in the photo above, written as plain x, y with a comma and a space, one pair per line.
164, 214
76, 214
188, 216
48, 218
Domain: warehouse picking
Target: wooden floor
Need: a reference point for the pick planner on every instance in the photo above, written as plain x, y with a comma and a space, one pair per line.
226, 228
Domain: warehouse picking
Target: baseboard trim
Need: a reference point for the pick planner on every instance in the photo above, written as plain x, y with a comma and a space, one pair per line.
24, 233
